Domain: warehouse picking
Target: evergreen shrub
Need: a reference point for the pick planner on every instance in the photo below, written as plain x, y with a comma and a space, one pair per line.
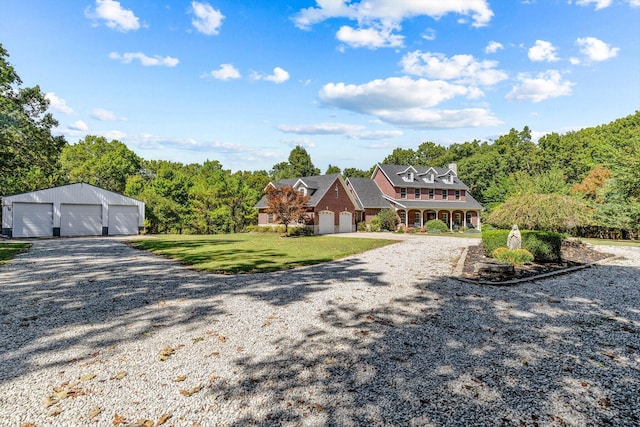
436, 225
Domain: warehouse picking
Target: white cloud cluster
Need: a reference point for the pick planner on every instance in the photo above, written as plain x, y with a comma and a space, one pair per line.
105, 115
58, 104
493, 47
279, 76
379, 19
147, 61
406, 102
371, 38
596, 50
549, 84
463, 69
349, 130
600, 4
79, 126
207, 20
543, 51
225, 72
114, 15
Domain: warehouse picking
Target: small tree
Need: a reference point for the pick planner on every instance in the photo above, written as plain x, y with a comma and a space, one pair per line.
388, 219
287, 204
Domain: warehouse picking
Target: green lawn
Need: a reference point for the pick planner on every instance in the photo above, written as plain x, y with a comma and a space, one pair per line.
609, 242
10, 249
254, 253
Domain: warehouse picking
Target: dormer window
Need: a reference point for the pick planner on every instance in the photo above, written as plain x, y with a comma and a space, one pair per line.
302, 190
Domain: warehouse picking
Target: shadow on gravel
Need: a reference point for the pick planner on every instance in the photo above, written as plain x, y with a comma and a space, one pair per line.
563, 351
104, 285
552, 353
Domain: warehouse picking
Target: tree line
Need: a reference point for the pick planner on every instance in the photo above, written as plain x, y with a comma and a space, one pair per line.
584, 182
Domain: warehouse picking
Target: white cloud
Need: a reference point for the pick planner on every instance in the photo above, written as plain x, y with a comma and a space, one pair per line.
543, 51
392, 12
389, 94
147, 61
349, 130
226, 72
279, 76
430, 34
79, 126
459, 68
207, 20
405, 101
303, 142
371, 38
600, 4
58, 104
596, 50
105, 115
493, 47
114, 15
540, 87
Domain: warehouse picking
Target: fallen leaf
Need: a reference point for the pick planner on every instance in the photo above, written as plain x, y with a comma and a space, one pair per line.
181, 378
118, 419
120, 375
211, 333
191, 392
265, 324
166, 353
94, 412
145, 423
222, 338
212, 379
197, 340
27, 425
87, 377
55, 412
163, 419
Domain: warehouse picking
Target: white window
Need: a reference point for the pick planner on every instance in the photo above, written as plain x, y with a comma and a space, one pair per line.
457, 194
416, 219
403, 193
445, 194
431, 193
269, 218
403, 217
445, 218
336, 191
417, 193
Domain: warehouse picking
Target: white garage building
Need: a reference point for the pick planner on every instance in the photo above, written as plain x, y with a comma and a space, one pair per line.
71, 210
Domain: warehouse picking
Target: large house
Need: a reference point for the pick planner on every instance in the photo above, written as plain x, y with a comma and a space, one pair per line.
417, 194
331, 206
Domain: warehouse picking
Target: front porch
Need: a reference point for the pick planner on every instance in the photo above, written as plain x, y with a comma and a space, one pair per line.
454, 218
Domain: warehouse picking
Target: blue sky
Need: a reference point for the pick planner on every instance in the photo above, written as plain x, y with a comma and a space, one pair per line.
243, 82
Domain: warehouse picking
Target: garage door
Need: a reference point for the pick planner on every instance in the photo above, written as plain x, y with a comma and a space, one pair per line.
32, 220
80, 220
345, 222
326, 222
123, 220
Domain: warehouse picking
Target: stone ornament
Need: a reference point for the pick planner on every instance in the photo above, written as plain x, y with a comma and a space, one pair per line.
514, 240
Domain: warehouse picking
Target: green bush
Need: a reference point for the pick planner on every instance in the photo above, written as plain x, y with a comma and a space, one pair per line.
374, 225
281, 229
300, 231
388, 219
515, 257
435, 225
250, 228
362, 226
545, 246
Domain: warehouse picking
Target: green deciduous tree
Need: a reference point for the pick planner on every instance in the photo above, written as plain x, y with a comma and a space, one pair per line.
28, 150
94, 160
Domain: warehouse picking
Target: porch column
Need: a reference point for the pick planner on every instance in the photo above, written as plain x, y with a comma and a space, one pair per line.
450, 220
479, 225
422, 211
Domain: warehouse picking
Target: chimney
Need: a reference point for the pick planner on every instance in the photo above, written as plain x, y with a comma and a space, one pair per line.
454, 167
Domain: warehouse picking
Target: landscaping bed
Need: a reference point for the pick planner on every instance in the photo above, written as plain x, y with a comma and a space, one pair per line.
574, 254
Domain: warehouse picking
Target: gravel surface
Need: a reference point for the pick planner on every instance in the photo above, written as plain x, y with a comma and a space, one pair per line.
93, 332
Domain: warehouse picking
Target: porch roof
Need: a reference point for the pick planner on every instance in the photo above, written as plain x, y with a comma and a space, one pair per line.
469, 204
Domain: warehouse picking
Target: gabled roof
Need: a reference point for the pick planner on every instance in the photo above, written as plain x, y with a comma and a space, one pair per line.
469, 203
368, 195
318, 185
74, 190
394, 175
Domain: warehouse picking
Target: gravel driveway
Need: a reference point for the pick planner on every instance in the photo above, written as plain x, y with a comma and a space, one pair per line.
92, 331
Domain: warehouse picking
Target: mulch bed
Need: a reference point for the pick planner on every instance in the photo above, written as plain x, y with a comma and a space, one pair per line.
573, 254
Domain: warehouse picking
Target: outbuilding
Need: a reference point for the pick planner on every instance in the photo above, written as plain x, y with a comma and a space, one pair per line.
71, 210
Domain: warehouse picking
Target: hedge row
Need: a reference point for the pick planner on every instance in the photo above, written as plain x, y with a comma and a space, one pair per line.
545, 246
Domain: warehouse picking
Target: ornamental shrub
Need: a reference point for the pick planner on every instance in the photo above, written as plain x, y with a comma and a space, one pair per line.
544, 246
435, 225
388, 219
515, 257
374, 224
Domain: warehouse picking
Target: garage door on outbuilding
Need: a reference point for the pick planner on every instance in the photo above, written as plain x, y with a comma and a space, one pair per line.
32, 219
71, 210
326, 222
123, 220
